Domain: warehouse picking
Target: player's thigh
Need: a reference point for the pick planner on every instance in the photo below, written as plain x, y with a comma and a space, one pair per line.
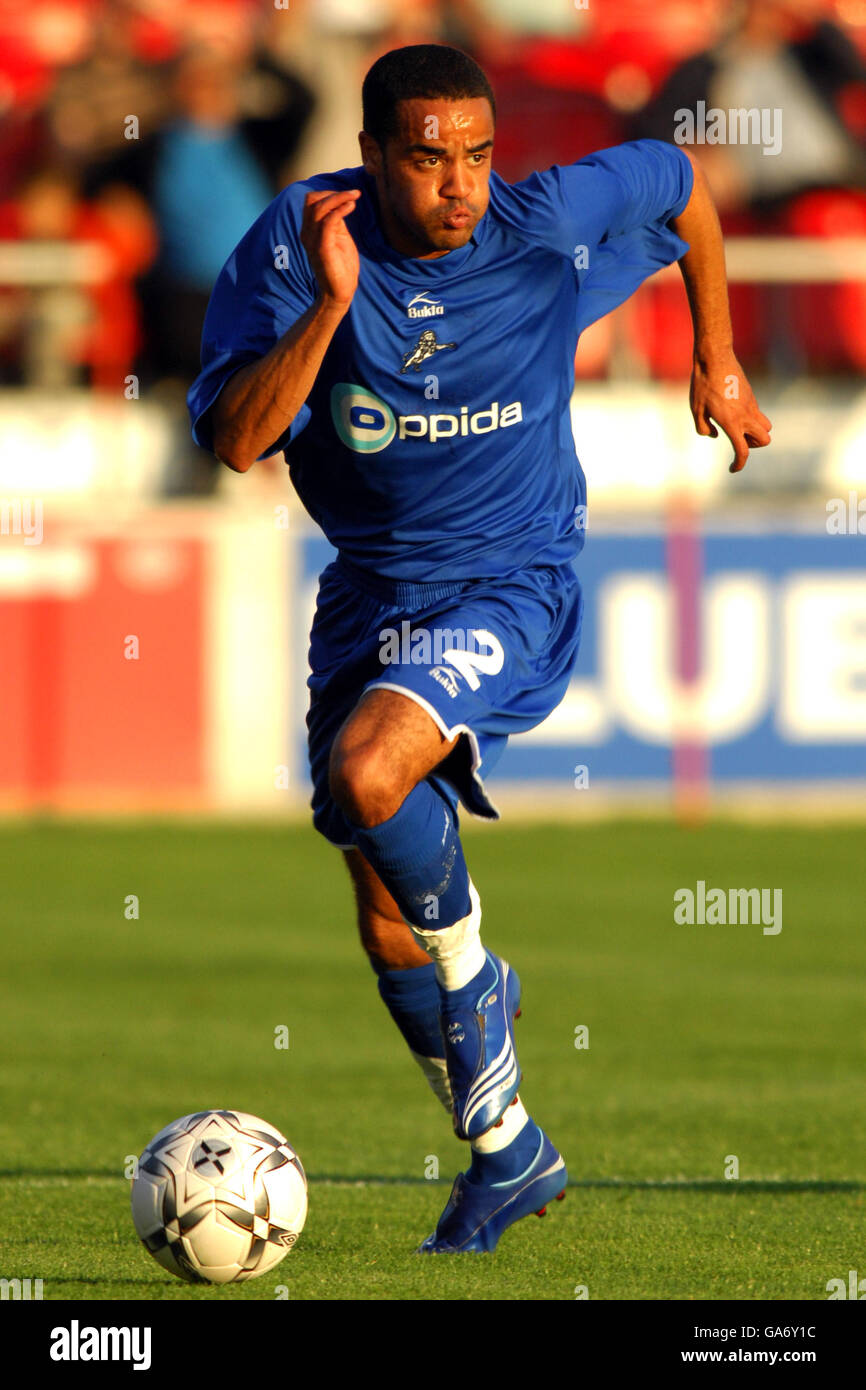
386, 746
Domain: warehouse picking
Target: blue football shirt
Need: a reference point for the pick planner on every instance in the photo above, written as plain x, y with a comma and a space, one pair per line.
436, 443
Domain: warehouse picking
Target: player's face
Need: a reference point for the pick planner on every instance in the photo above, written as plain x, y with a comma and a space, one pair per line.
433, 179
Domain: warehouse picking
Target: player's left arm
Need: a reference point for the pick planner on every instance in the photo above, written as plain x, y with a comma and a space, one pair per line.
719, 391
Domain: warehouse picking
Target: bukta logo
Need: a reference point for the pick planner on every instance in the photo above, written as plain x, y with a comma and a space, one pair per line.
367, 424
423, 307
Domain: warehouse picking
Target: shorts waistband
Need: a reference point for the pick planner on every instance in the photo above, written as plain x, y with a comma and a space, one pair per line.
402, 593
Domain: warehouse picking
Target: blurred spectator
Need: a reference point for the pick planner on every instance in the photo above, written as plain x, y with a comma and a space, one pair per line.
779, 55
92, 99
230, 101
206, 174
784, 58
54, 330
205, 187
332, 43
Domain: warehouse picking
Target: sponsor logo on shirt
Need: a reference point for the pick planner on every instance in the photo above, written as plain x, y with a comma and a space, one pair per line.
367, 424
423, 307
363, 422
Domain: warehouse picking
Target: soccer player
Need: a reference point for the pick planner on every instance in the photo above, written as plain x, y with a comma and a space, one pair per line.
405, 333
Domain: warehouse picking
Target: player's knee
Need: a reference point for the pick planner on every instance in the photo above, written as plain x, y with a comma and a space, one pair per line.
363, 783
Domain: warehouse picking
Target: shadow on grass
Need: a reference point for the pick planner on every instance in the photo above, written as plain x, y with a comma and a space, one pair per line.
66, 1174
781, 1185
629, 1184
104, 1279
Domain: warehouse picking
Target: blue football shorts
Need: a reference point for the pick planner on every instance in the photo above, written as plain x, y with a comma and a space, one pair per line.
484, 658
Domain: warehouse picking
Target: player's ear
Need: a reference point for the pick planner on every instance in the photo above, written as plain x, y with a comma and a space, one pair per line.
371, 155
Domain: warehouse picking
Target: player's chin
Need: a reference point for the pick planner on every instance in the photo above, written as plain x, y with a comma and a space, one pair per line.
450, 238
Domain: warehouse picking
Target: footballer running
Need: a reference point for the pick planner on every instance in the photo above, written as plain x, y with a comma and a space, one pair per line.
404, 332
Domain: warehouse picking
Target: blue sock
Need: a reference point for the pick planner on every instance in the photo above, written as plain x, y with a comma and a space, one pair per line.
418, 856
412, 999
510, 1162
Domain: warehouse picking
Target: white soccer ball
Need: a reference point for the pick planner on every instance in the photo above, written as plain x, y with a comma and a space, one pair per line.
219, 1197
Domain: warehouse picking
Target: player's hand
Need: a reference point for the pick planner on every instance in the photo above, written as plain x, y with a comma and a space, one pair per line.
720, 392
329, 244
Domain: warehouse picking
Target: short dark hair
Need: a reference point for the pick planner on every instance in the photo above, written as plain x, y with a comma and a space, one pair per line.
431, 70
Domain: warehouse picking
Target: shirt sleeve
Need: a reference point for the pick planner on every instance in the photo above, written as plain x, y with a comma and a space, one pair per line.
265, 286
609, 213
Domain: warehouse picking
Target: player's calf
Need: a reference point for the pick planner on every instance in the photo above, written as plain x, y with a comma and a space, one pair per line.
406, 975
417, 855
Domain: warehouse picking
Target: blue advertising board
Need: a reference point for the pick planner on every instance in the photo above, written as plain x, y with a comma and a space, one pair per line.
780, 693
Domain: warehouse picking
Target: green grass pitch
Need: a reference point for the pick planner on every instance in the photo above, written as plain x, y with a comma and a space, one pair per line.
705, 1042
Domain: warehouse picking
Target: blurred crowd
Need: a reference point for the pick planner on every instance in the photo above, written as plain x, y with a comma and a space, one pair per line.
140, 138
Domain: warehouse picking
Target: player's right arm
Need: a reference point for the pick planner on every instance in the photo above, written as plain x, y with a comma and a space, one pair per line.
259, 402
